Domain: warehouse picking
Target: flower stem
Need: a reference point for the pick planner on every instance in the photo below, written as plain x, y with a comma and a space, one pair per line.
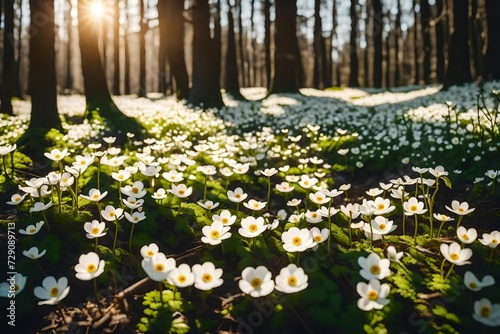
268, 192
116, 235
46, 220
130, 238
459, 221
416, 230
95, 290
449, 271
442, 268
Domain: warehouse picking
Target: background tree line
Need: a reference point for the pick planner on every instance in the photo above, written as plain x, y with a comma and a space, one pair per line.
192, 48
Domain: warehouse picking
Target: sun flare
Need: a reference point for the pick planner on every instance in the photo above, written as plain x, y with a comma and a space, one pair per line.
97, 9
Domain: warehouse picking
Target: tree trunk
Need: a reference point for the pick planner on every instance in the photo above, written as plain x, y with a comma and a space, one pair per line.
353, 75
17, 84
216, 42
104, 37
388, 54
476, 40
126, 74
143, 28
116, 48
319, 68
416, 49
174, 26
440, 38
68, 82
267, 41
206, 86
397, 40
8, 59
241, 45
337, 82
285, 40
42, 55
368, 32
162, 52
378, 31
425, 18
232, 85
492, 71
458, 71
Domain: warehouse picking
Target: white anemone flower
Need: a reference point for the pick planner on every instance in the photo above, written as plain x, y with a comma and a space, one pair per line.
135, 190
291, 279
16, 199
455, 254
373, 266
467, 236
16, 286
373, 295
382, 206
206, 276
159, 194
350, 210
158, 266
252, 227
237, 195
56, 154
173, 176
52, 291
147, 251
254, 205
95, 195
94, 229
460, 209
133, 203
225, 217
208, 205
297, 240
393, 255
121, 176
110, 213
487, 313
215, 233
284, 187
181, 276
268, 172
135, 217
34, 253
413, 207
89, 266
471, 282
490, 239
32, 229
380, 226
319, 197
40, 206
256, 282
181, 190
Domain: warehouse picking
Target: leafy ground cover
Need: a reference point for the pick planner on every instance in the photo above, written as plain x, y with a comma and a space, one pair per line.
339, 210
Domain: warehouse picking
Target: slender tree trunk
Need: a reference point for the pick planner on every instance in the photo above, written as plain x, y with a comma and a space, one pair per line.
476, 40
42, 55
337, 82
319, 65
68, 82
8, 59
241, 45
116, 48
492, 71
162, 57
425, 18
126, 74
143, 27
17, 84
368, 32
458, 71
267, 41
388, 54
217, 42
104, 38
397, 40
252, 68
416, 50
285, 40
232, 85
174, 22
440, 40
206, 85
378, 31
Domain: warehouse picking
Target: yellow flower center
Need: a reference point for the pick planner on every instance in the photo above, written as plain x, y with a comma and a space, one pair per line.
32, 230
292, 281
472, 285
454, 256
181, 192
16, 287
215, 234
135, 190
256, 205
380, 206
182, 279
54, 292
314, 215
253, 228
461, 210
485, 311
237, 196
224, 220
111, 214
91, 268
372, 295
465, 236
57, 156
297, 241
375, 269
94, 230
494, 241
319, 198
413, 208
317, 238
83, 162
256, 283
150, 253
17, 198
159, 267
206, 278
95, 196
64, 179
382, 226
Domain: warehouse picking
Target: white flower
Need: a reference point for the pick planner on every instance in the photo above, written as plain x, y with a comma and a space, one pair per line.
209, 205
438, 171
268, 172
252, 227
157, 266
297, 240
350, 210
490, 239
15, 286
56, 154
150, 171
284, 187
207, 276
225, 217
173, 176
442, 217
149, 250
135, 217
319, 198
255, 205
413, 206
467, 236
455, 254
237, 195
471, 282
121, 175
374, 192
89, 266
40, 206
373, 295
373, 266
460, 209
207, 170
181, 276
306, 182
487, 313
95, 195
32, 229
52, 291
4, 150
256, 282
136, 190
16, 199
240, 168
133, 203
159, 194
318, 235
33, 253
181, 190
382, 206
380, 226
393, 255
215, 233
291, 279
313, 217
110, 213
94, 229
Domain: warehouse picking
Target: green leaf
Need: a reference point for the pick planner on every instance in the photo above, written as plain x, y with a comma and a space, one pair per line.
446, 181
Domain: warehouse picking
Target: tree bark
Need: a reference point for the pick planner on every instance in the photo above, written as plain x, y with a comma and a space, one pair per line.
267, 41
206, 86
458, 71
388, 54
319, 68
425, 18
116, 48
44, 114
7, 85
126, 74
231, 82
416, 49
143, 28
353, 43
368, 33
162, 52
378, 31
174, 26
397, 40
68, 82
440, 38
241, 45
285, 40
492, 71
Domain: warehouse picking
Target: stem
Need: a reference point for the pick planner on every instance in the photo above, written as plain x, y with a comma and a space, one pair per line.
95, 290
442, 268
179, 208
95, 245
449, 271
99, 210
99, 174
350, 228
46, 220
12, 162
268, 192
439, 230
371, 232
416, 230
116, 235
130, 238
205, 190
459, 221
